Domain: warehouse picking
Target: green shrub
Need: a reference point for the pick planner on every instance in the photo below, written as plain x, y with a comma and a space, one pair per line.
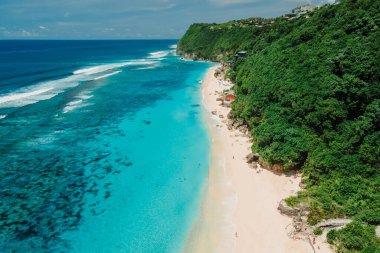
292, 201
355, 237
318, 231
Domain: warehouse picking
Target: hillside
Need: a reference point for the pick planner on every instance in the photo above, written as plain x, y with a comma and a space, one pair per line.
309, 90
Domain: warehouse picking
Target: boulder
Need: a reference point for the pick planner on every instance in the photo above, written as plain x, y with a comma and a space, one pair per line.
302, 185
236, 124
264, 164
252, 157
333, 223
243, 129
278, 167
287, 210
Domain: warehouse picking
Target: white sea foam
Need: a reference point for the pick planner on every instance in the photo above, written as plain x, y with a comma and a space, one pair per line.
49, 89
149, 67
21, 95
173, 50
59, 131
75, 105
72, 105
3, 116
38, 92
107, 75
98, 69
75, 102
159, 54
48, 139
84, 97
79, 102
105, 67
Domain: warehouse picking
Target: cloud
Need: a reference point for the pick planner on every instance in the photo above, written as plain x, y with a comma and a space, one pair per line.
26, 33
231, 2
4, 31
269, 3
128, 19
152, 8
17, 33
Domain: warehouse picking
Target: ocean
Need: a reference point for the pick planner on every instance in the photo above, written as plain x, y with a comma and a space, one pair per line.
103, 147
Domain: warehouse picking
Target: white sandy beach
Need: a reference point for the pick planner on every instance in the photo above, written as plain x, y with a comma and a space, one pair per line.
239, 210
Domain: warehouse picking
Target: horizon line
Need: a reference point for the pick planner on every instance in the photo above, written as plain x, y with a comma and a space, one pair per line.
59, 39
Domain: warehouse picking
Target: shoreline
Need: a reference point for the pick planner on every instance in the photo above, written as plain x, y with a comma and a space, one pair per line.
238, 210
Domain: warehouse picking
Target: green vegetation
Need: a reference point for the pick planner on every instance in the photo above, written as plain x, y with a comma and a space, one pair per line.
292, 201
219, 41
309, 89
355, 237
318, 231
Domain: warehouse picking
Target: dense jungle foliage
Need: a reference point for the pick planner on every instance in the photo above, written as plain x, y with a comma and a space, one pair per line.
309, 89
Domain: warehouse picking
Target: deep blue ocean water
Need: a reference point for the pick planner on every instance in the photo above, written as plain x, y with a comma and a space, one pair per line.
102, 146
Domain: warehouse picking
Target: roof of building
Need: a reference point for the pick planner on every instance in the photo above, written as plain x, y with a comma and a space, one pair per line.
230, 97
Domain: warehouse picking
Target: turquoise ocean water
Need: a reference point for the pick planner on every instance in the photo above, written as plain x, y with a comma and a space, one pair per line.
102, 146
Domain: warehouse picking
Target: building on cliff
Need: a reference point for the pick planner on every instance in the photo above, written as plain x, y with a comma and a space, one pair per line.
304, 9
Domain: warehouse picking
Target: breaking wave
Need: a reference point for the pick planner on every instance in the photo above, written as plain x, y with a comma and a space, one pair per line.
46, 90
159, 54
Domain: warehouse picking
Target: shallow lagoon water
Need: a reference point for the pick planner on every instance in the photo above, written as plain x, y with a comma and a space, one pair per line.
111, 156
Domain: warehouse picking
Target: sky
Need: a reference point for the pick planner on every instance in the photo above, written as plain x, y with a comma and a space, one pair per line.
126, 19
